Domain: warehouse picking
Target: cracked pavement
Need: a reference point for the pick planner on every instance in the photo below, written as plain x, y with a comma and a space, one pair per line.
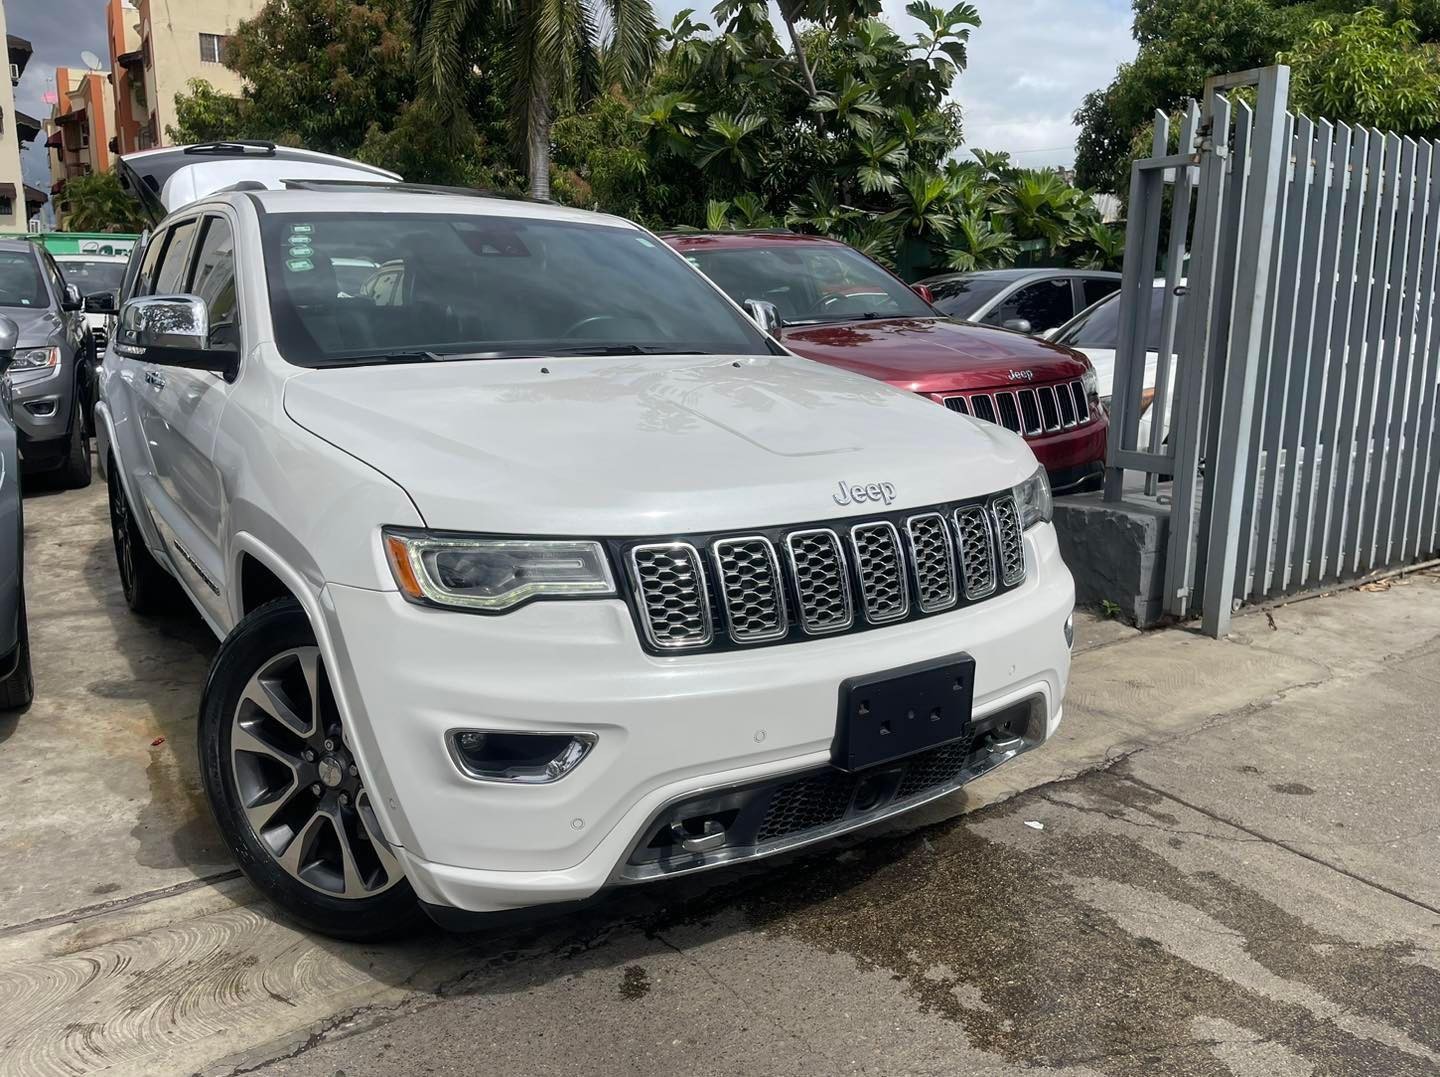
1224, 865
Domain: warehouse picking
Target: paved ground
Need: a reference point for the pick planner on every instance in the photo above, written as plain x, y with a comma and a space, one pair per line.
1226, 865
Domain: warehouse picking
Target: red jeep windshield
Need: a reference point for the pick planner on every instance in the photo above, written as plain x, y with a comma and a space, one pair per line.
809, 283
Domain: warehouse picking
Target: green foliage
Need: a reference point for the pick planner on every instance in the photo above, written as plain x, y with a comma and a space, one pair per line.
337, 76
1367, 70
1357, 61
97, 203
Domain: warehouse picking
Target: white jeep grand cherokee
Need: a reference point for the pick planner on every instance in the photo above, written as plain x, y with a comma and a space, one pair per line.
539, 567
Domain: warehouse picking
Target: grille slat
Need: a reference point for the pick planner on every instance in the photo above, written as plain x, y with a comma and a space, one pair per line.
751, 588
957, 403
670, 584
1029, 412
880, 565
1009, 540
1049, 408
933, 556
1008, 409
1082, 405
982, 406
1066, 399
976, 551
822, 582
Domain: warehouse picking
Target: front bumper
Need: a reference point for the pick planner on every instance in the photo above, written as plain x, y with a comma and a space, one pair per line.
42, 409
669, 728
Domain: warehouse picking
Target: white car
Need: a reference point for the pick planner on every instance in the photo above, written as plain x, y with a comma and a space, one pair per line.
541, 568
1095, 332
93, 274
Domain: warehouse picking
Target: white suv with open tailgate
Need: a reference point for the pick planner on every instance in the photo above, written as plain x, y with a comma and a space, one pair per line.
540, 568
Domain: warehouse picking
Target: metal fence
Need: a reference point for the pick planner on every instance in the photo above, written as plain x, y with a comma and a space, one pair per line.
1300, 420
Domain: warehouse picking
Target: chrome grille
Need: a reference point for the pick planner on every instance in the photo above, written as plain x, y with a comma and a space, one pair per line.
884, 592
751, 588
1009, 541
822, 582
696, 592
976, 551
670, 584
933, 557
1030, 412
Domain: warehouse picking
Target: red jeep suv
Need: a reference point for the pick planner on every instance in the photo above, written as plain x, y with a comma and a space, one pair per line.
836, 306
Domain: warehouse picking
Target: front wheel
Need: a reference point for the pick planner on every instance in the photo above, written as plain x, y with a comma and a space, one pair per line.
75, 469
148, 588
284, 786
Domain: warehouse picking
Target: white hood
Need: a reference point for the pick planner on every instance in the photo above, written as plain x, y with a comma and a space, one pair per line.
647, 446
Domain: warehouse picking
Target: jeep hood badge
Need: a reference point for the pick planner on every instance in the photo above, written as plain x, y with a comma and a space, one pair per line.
871, 491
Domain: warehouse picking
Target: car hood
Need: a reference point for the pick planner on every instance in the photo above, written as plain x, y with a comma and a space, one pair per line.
658, 445
37, 325
927, 355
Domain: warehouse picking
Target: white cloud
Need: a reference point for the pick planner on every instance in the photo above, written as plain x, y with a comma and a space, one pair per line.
1031, 62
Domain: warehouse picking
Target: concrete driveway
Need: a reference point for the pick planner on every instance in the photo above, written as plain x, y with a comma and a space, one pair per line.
1228, 864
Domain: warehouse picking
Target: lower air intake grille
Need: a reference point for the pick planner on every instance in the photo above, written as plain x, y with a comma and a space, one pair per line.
671, 586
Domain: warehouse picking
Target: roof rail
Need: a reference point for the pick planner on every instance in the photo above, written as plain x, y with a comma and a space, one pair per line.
235, 147
322, 184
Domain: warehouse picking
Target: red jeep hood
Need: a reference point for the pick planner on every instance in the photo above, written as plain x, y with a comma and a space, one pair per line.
929, 355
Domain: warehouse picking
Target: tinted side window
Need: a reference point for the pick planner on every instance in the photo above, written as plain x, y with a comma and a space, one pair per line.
145, 281
171, 277
57, 279
1044, 305
215, 279
1095, 289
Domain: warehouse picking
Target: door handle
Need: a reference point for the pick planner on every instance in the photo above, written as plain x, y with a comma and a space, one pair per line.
155, 378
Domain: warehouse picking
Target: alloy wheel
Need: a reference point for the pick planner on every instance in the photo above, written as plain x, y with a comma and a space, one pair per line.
298, 783
120, 526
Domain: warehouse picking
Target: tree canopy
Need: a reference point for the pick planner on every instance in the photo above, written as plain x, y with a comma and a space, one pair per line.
1352, 60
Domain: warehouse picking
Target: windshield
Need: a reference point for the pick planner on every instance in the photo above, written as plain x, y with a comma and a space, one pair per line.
92, 277
964, 296
20, 284
485, 287
1099, 327
809, 283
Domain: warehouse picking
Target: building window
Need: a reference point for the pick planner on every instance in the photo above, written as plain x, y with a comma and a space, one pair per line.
145, 52
211, 45
7, 205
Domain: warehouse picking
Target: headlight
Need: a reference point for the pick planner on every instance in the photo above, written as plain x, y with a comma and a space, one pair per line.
1091, 383
35, 358
493, 575
1032, 499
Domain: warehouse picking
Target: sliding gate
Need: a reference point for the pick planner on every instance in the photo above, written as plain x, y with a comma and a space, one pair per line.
1298, 415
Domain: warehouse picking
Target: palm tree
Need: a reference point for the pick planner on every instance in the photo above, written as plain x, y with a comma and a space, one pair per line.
555, 55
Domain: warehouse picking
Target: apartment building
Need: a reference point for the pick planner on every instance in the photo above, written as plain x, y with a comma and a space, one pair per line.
156, 48
78, 130
18, 203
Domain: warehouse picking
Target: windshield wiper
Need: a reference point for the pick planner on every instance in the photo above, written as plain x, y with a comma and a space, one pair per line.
627, 349
384, 357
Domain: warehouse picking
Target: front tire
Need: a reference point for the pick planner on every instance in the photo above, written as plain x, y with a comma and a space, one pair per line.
17, 691
75, 469
148, 587
284, 787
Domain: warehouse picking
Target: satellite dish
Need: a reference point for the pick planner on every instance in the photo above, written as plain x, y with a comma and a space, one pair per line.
90, 60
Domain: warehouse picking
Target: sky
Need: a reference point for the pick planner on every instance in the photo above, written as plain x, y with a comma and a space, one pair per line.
1031, 62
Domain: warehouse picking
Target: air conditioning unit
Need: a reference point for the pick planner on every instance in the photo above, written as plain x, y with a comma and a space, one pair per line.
14, 72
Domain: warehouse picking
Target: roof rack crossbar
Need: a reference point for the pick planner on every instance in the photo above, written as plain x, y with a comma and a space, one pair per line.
229, 147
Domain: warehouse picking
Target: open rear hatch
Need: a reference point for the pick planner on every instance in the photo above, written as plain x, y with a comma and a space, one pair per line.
166, 179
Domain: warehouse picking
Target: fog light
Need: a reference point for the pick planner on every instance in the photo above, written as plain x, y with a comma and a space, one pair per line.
519, 758
41, 409
1070, 631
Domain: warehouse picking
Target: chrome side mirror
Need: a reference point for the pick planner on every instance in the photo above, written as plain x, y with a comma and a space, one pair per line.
1018, 325
764, 315
71, 299
171, 330
9, 337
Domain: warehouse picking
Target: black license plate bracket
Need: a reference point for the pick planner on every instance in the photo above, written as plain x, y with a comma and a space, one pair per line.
885, 716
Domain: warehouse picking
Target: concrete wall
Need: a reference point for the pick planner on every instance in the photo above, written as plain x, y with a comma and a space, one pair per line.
127, 81
13, 220
170, 36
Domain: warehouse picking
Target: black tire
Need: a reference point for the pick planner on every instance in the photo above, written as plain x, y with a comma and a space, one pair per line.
17, 691
75, 470
148, 587
286, 836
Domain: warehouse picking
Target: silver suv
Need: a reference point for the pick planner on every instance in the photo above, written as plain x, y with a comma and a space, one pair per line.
16, 687
49, 378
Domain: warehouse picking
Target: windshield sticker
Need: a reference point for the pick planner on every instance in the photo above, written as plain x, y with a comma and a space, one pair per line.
297, 251
299, 265
301, 229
